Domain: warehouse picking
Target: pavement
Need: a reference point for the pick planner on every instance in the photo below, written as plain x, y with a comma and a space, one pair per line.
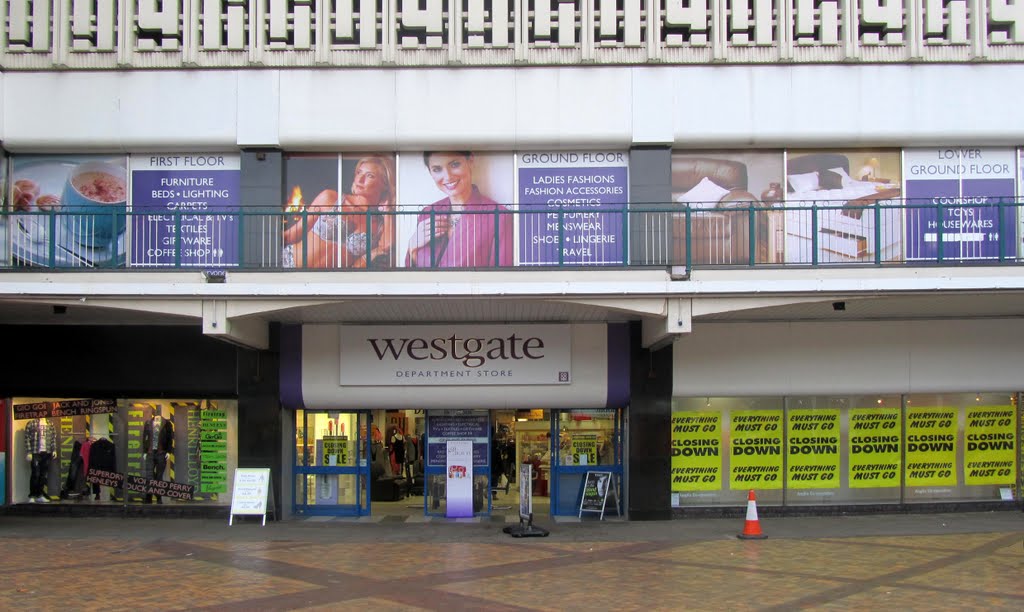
951, 561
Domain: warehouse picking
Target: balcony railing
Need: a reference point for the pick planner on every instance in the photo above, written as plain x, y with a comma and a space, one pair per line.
806, 233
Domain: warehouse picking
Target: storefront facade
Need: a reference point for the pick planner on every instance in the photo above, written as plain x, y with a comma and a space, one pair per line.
673, 170
140, 421
861, 415
554, 396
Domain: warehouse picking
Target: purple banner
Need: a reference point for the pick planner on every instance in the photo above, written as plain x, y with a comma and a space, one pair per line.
963, 198
188, 206
572, 215
971, 227
442, 428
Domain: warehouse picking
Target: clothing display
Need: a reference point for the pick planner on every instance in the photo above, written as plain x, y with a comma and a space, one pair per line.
103, 455
74, 484
41, 444
164, 438
40, 473
40, 436
157, 440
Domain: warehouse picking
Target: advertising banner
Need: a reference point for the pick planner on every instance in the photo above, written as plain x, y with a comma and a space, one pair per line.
990, 457
336, 451
471, 225
456, 355
443, 426
189, 203
573, 207
719, 188
64, 408
213, 450
876, 436
812, 442
755, 460
459, 480
69, 210
931, 447
342, 223
842, 206
974, 190
583, 449
136, 422
696, 451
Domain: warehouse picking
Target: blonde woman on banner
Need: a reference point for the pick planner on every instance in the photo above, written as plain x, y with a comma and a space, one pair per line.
365, 223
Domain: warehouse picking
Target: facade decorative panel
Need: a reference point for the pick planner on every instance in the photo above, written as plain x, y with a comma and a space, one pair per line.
62, 34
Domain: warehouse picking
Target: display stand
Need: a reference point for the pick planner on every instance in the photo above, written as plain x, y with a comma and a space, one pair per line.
526, 528
597, 488
250, 494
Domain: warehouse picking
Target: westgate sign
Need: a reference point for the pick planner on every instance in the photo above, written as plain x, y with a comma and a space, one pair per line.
411, 355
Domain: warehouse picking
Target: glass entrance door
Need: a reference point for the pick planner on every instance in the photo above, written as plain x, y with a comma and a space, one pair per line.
331, 473
588, 440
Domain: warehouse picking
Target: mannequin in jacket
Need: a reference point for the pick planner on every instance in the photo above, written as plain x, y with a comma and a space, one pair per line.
41, 447
157, 442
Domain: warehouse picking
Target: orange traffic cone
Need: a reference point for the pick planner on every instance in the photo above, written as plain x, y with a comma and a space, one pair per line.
752, 527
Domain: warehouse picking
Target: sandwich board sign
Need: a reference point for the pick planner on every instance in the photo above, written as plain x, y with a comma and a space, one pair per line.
250, 493
597, 488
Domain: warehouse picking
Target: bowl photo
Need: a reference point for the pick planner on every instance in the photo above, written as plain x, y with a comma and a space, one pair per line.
95, 198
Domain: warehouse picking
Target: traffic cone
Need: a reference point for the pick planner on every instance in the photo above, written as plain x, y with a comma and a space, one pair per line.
752, 527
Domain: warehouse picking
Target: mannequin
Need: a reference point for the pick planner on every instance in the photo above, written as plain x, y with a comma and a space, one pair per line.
157, 441
398, 452
41, 446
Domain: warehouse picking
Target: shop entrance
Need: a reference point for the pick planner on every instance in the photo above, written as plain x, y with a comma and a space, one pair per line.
397, 460
331, 470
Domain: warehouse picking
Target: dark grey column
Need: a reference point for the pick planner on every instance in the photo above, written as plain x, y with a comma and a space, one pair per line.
262, 202
650, 189
650, 423
259, 413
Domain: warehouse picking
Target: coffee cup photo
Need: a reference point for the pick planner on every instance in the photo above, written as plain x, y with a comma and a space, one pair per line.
95, 197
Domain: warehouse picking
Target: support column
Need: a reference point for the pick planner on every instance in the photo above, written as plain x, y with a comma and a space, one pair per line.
650, 423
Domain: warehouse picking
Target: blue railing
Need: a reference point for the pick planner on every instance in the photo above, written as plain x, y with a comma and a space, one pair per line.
743, 234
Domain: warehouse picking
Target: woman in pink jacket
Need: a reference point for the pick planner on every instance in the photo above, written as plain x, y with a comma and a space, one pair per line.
459, 231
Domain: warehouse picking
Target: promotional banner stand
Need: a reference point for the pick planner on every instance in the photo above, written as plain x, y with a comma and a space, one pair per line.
525, 528
251, 493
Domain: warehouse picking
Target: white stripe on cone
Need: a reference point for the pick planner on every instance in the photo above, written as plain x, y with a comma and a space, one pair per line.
751, 510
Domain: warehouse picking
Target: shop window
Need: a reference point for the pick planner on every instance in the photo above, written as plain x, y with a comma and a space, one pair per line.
102, 451
821, 450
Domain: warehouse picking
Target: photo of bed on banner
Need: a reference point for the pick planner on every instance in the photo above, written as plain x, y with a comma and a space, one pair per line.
843, 206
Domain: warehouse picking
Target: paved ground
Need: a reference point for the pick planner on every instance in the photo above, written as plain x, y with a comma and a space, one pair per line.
902, 562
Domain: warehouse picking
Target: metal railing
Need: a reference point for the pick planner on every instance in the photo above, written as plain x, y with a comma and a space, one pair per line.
743, 234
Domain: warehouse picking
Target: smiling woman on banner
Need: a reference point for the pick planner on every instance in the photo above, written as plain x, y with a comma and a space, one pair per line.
457, 231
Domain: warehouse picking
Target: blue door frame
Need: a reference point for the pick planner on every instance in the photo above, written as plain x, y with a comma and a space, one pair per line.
306, 466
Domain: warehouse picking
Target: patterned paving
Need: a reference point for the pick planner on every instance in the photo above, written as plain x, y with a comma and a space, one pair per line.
318, 567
